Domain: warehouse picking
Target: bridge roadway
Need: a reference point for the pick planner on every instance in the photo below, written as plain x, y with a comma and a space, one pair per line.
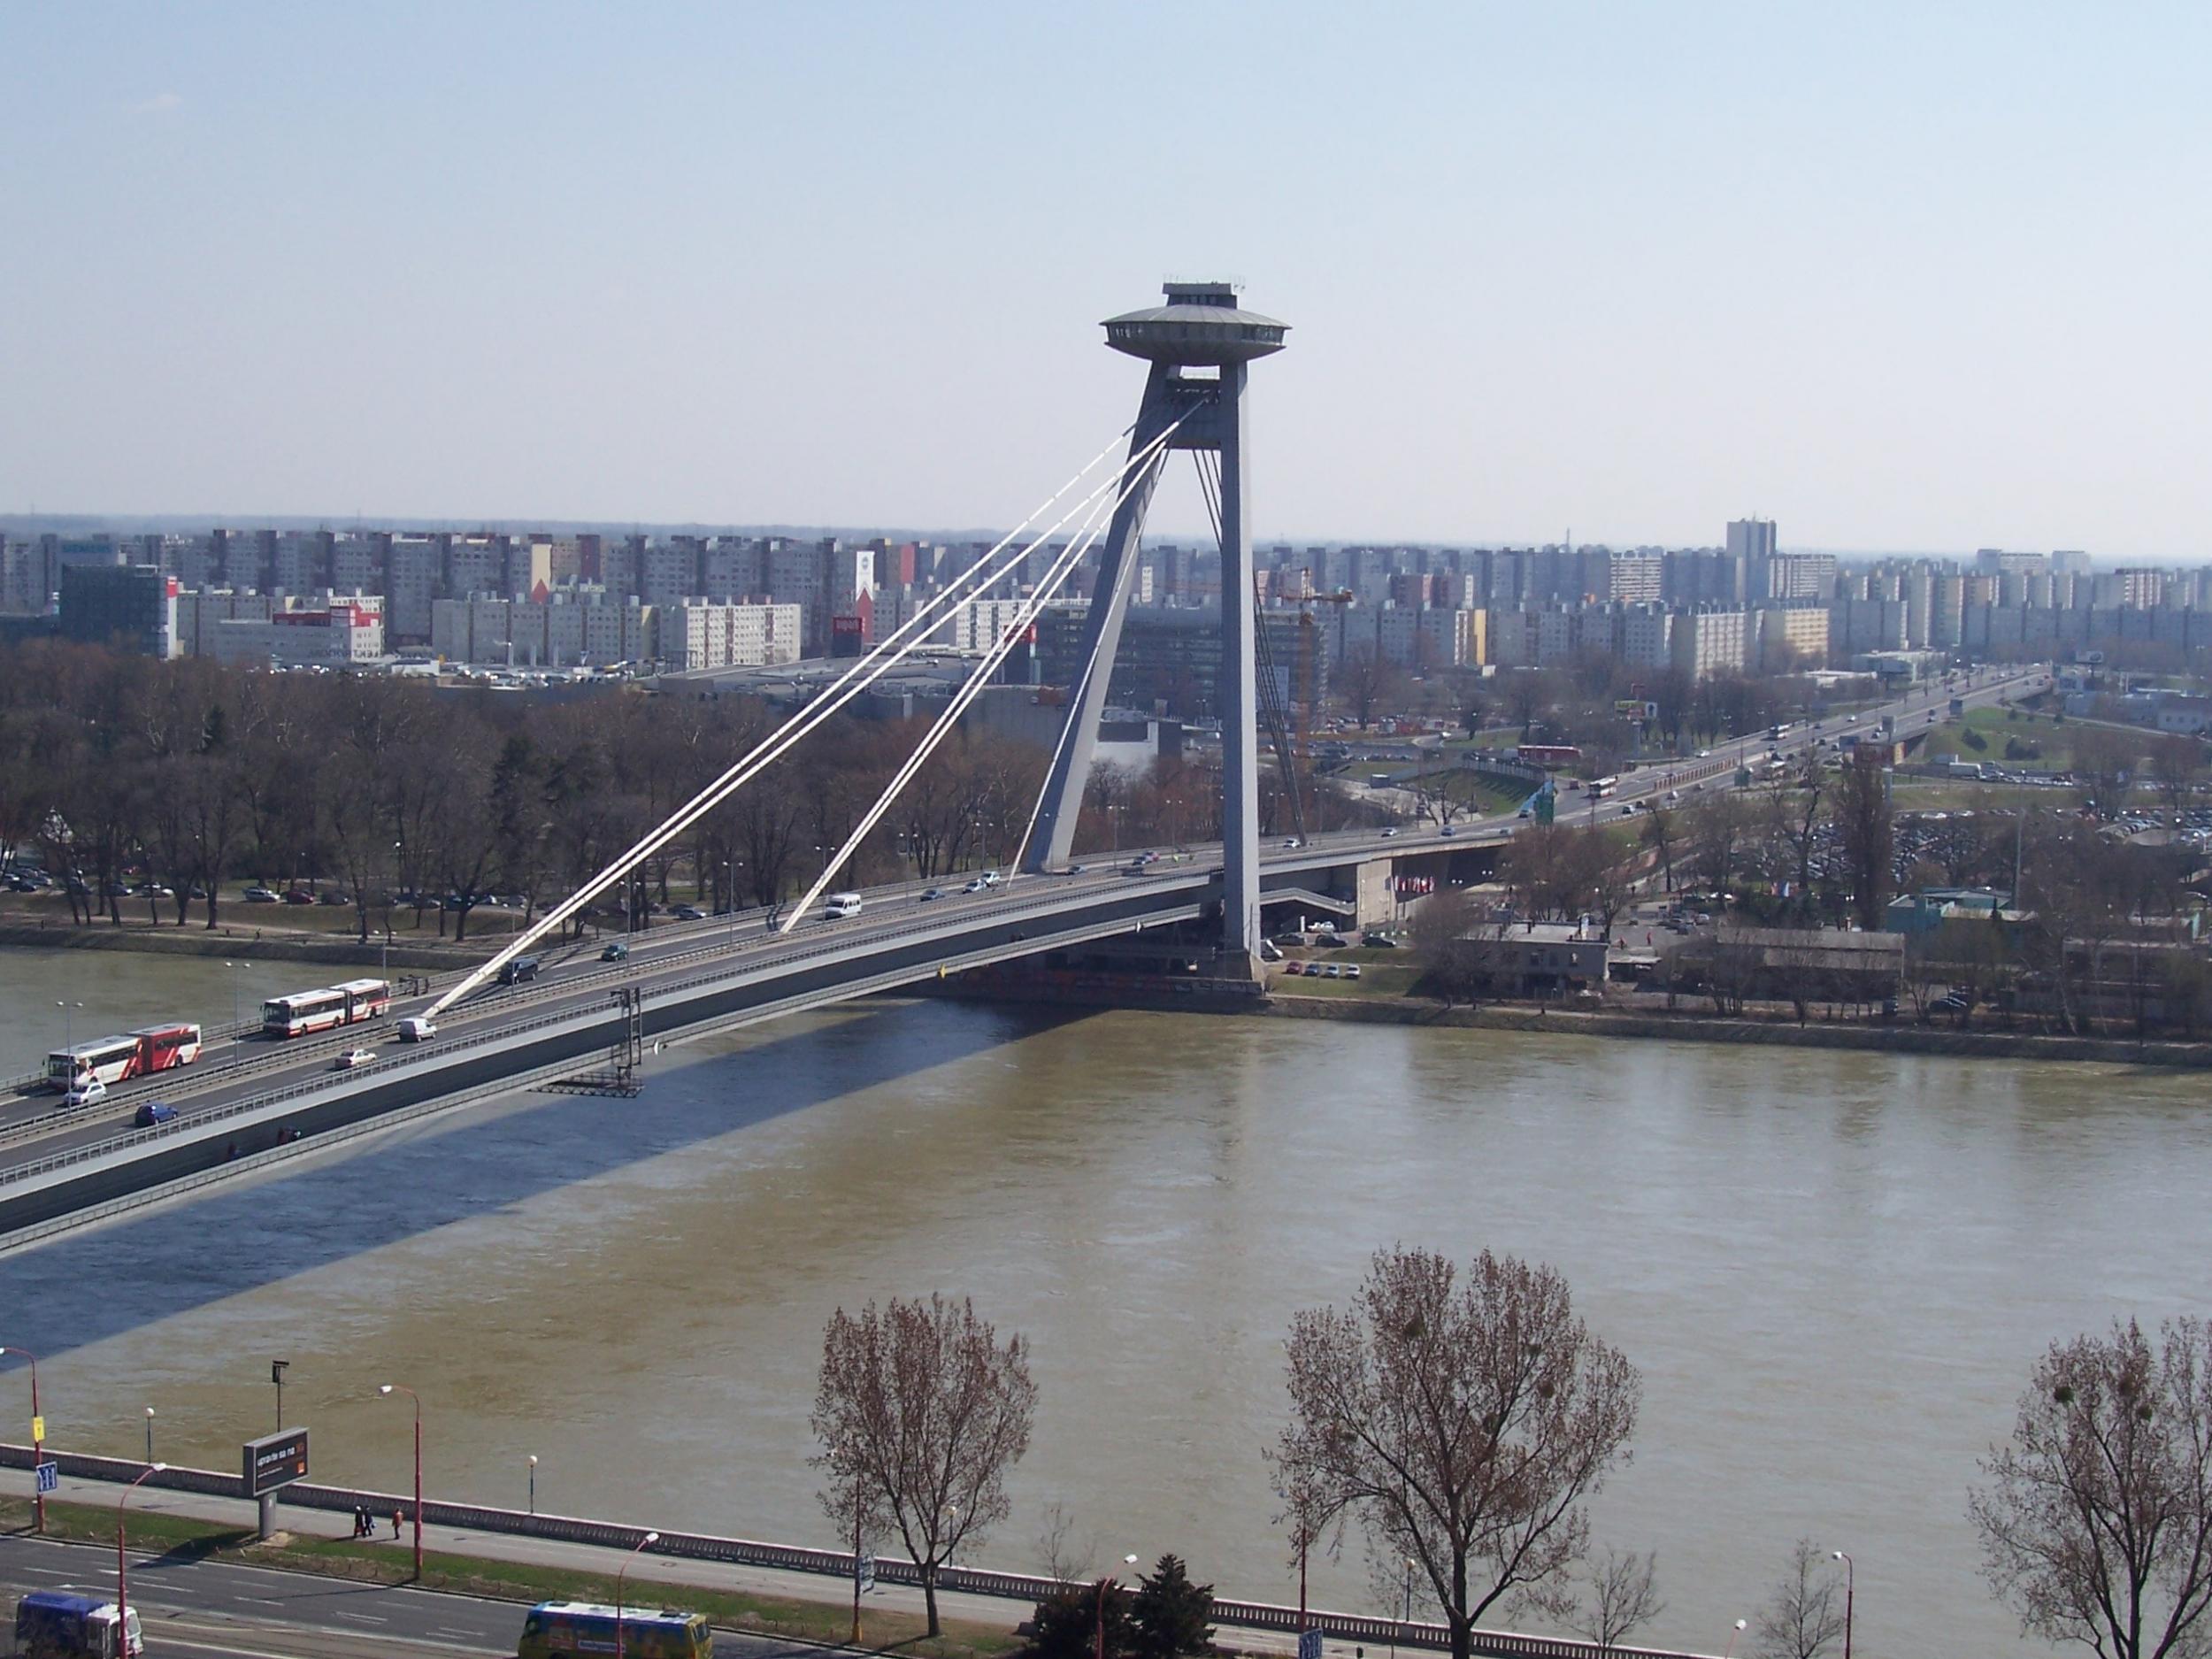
245, 1098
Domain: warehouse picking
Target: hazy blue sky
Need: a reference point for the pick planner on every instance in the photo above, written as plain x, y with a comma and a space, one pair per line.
1911, 276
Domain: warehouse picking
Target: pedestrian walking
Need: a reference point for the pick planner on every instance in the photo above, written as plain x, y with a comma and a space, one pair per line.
395, 1521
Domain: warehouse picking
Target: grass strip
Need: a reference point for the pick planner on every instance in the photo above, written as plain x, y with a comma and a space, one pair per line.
187, 1538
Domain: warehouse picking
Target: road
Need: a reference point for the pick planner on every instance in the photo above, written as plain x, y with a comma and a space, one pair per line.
574, 978
196, 1607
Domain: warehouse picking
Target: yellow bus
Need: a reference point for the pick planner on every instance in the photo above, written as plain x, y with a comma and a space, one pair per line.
556, 1628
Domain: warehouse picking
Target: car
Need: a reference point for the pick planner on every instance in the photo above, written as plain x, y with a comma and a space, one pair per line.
1351, 969
616, 950
332, 895
86, 1091
1294, 968
299, 895
1290, 841
260, 895
118, 890
975, 885
930, 893
1329, 971
1390, 832
689, 913
352, 1058
1674, 795
1077, 870
989, 878
520, 971
1377, 941
1705, 754
1327, 941
1449, 829
154, 1111
415, 1028
1522, 813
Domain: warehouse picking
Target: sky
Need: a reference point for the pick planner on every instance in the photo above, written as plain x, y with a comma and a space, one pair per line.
1915, 277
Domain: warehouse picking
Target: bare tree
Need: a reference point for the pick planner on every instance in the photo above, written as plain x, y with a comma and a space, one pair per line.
1624, 1594
2096, 1526
1661, 832
2105, 759
1870, 848
1462, 1422
2176, 763
1804, 1620
921, 1411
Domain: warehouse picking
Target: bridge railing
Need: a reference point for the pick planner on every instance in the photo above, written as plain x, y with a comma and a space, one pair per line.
1017, 1587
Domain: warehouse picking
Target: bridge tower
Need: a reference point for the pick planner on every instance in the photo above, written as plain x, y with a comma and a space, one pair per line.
1199, 344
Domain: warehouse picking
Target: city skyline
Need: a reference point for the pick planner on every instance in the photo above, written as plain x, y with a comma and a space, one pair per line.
763, 266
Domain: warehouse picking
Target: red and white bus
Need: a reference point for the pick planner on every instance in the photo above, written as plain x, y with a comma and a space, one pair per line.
326, 1010
1598, 789
132, 1054
1551, 757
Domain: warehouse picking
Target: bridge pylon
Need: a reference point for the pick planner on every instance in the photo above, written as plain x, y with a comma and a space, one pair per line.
1201, 344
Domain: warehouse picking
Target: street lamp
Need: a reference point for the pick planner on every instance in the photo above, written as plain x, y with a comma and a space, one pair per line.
1729, 1653
388, 1388
122, 1570
233, 967
1850, 1584
149, 1434
38, 1439
69, 1034
650, 1538
1406, 1617
1103, 1585
533, 1483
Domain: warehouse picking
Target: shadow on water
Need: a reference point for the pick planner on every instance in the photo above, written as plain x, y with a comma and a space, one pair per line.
86, 1287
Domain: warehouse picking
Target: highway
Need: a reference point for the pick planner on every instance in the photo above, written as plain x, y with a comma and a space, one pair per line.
191, 1607
898, 937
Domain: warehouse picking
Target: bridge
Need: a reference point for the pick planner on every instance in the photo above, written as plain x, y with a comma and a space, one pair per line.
587, 1023
251, 1102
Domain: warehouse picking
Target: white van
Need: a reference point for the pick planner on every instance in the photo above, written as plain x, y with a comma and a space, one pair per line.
841, 905
414, 1028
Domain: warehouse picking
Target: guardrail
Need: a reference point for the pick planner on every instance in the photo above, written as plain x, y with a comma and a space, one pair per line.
1017, 1586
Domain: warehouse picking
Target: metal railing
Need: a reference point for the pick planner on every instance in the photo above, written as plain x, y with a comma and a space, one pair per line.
1017, 1586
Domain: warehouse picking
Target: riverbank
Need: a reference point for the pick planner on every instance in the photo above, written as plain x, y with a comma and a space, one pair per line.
249, 943
1681, 1025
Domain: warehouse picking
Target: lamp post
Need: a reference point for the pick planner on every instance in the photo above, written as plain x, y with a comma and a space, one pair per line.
122, 1570
1731, 1650
38, 1440
387, 1389
1850, 1586
1105, 1584
149, 1434
233, 968
650, 1538
1406, 1618
533, 1483
69, 1035
277, 1367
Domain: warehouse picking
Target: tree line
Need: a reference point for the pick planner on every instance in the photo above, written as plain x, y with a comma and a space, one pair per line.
407, 797
1462, 1419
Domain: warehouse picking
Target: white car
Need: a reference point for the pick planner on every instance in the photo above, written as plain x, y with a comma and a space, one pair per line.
353, 1058
86, 1091
976, 885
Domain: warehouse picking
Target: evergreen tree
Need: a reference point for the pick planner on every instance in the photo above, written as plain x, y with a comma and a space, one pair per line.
1167, 1616
1066, 1626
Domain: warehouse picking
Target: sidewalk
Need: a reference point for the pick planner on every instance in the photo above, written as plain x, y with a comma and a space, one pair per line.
1004, 1612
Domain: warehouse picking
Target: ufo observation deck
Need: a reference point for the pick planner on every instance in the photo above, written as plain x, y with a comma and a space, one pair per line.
1201, 323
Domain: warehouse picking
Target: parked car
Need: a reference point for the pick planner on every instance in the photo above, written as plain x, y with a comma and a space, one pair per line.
1378, 941
154, 1111
1351, 969
332, 895
1294, 968
415, 1028
86, 1091
354, 1057
1329, 971
299, 895
617, 951
260, 895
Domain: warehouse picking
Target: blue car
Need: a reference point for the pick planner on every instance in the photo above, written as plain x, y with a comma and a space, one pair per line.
155, 1111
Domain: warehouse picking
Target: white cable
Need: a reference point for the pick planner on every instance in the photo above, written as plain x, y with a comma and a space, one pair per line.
1002, 645
979, 578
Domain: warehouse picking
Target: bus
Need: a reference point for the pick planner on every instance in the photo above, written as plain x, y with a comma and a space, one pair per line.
67, 1624
1598, 789
326, 1010
1781, 729
554, 1629
1551, 757
130, 1054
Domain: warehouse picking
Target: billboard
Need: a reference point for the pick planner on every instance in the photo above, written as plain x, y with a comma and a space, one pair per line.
275, 1460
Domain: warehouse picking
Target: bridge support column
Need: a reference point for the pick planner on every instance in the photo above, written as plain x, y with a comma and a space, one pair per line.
1238, 693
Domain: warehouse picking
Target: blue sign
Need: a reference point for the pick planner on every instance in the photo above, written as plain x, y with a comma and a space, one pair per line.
50, 1476
1310, 1644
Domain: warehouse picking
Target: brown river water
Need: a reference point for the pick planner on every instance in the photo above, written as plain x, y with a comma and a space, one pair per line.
1833, 1268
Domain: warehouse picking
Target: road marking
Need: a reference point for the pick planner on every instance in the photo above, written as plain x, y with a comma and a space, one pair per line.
361, 1618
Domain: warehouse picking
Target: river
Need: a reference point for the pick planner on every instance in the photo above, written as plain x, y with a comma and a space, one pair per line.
1833, 1268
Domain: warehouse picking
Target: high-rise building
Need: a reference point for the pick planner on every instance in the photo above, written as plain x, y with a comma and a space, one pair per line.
1751, 539
132, 606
